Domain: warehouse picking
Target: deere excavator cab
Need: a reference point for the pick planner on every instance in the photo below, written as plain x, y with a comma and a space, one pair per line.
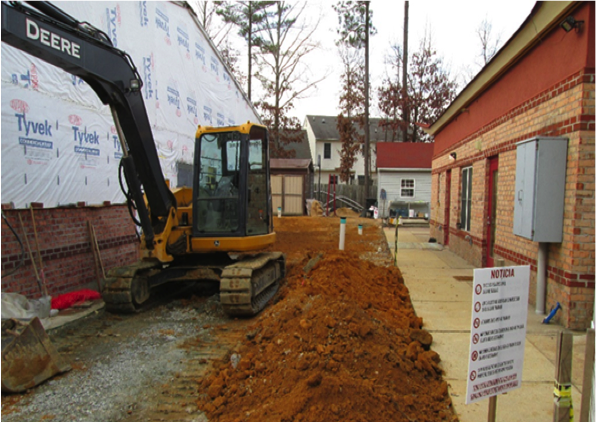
232, 180
217, 229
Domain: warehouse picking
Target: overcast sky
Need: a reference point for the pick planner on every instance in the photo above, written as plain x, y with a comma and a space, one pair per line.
452, 25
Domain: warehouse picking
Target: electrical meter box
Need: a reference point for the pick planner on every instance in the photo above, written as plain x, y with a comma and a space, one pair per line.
540, 189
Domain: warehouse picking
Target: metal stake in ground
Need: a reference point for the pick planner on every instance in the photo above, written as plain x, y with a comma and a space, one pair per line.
397, 223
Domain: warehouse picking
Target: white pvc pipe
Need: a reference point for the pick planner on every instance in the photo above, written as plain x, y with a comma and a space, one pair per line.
541, 278
342, 233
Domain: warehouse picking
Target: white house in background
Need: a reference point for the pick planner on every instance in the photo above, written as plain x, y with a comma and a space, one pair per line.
404, 178
323, 138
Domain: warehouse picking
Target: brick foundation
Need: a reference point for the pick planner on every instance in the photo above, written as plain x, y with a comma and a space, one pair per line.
65, 246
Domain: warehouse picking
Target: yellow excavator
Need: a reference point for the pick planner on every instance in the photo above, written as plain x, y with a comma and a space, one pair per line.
216, 230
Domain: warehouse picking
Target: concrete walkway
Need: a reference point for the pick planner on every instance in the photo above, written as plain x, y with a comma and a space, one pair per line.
440, 285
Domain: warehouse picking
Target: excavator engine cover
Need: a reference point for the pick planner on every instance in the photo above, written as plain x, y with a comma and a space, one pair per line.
28, 356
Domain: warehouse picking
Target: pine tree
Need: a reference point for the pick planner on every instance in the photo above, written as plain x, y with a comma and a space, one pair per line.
248, 16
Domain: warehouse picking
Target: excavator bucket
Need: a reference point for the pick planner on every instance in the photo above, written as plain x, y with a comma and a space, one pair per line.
28, 356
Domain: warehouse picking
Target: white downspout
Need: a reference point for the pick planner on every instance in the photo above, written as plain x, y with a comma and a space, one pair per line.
541, 277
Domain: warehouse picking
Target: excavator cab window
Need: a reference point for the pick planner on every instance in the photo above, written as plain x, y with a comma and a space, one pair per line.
257, 217
233, 196
219, 169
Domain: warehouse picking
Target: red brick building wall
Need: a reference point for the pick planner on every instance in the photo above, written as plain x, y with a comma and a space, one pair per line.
549, 92
65, 246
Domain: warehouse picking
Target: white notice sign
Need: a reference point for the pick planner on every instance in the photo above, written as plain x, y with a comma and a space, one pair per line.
498, 334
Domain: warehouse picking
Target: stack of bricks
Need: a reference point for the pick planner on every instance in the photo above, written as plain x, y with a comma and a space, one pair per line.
564, 110
65, 245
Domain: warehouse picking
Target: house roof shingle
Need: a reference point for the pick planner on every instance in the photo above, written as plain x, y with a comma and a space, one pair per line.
404, 155
302, 148
325, 128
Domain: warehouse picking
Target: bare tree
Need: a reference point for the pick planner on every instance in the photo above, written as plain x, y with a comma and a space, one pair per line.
489, 43
219, 32
489, 46
206, 12
430, 90
231, 57
285, 79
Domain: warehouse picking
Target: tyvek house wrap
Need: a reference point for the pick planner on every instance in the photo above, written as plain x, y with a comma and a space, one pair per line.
59, 143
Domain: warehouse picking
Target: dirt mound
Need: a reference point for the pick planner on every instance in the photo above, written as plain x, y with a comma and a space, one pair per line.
342, 343
298, 237
346, 212
316, 209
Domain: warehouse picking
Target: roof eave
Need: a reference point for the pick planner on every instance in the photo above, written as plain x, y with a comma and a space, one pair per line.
543, 17
404, 169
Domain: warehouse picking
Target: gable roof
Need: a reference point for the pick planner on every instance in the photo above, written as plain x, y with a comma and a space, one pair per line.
301, 148
325, 128
404, 155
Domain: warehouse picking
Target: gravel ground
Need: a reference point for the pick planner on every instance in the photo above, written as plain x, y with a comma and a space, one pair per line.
122, 363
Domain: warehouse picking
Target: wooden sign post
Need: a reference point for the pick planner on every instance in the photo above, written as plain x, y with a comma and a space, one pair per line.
563, 411
588, 382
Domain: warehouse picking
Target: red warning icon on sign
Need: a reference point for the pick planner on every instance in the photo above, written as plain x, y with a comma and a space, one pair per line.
475, 338
476, 322
474, 355
477, 306
473, 375
478, 289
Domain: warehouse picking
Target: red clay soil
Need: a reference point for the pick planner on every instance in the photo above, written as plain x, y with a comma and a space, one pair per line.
341, 343
297, 236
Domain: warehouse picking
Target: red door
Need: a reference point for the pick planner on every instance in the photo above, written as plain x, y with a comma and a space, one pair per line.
491, 217
447, 207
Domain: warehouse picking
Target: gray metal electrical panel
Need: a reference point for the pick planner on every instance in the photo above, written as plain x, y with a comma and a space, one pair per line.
540, 189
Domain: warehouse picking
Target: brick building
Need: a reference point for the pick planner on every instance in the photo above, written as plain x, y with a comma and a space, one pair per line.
540, 84
61, 236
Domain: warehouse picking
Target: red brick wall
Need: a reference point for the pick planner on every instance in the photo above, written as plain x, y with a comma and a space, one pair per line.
65, 247
565, 109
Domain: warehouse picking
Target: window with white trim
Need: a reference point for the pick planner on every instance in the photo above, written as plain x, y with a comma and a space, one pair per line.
327, 150
407, 187
466, 199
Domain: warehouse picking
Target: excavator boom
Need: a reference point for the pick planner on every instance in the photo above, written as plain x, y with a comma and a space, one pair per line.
86, 52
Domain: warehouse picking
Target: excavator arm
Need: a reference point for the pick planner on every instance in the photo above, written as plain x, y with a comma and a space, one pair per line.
53, 36
227, 211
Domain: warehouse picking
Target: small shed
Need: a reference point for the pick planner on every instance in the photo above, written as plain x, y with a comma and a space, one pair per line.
292, 173
404, 178
290, 185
